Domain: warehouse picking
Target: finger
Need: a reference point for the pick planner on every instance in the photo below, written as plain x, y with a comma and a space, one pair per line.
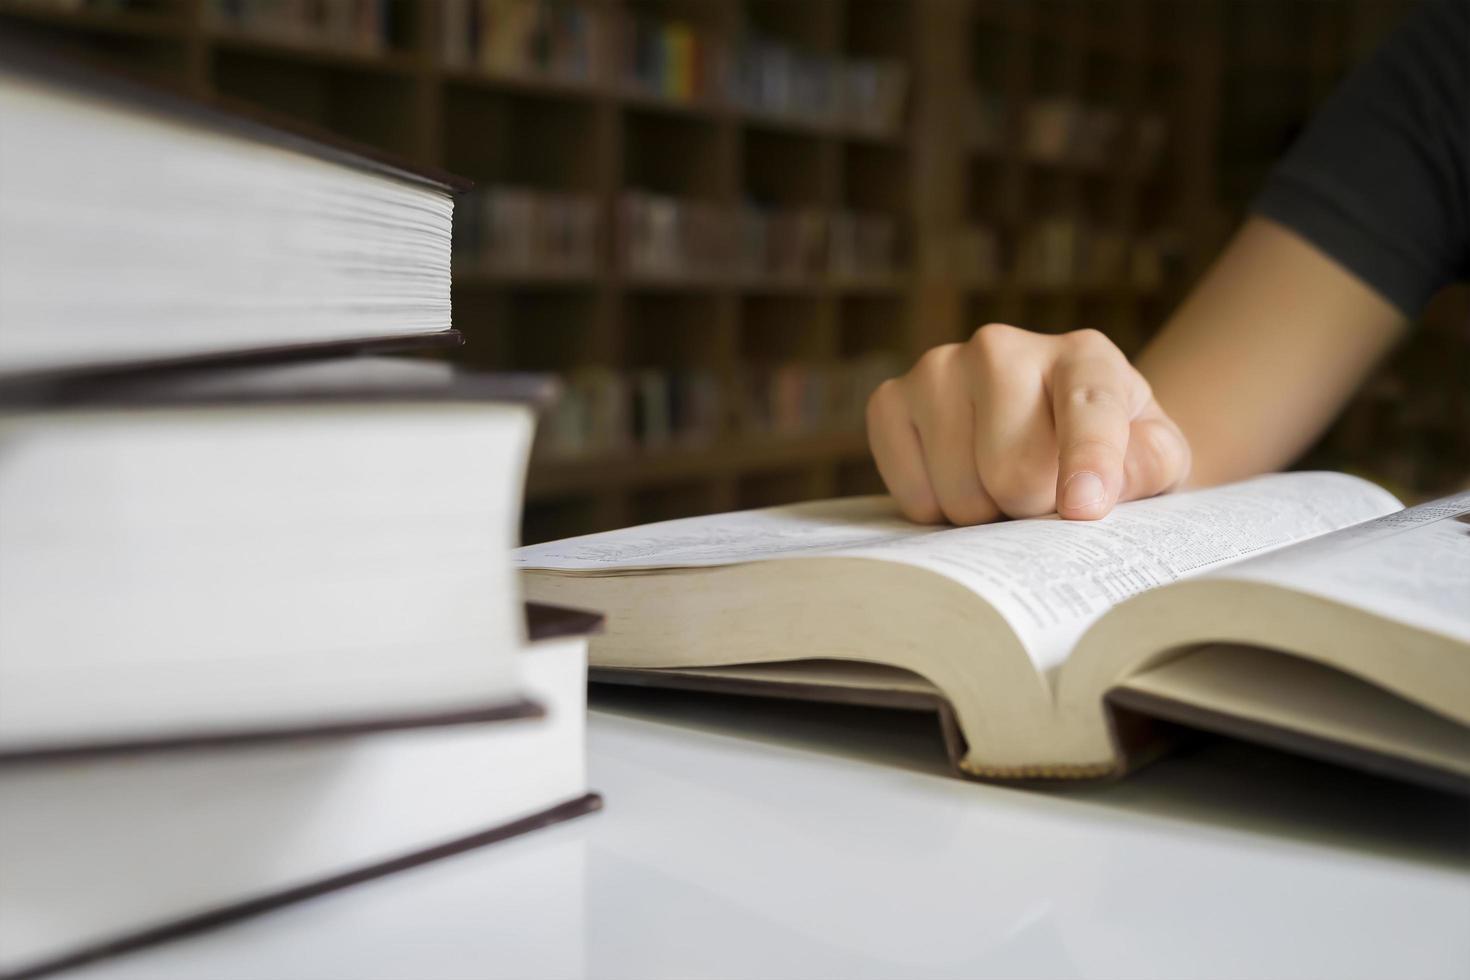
900, 460
1015, 448
1094, 395
945, 418
1158, 456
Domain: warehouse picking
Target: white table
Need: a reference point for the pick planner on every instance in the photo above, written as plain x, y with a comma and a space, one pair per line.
750, 839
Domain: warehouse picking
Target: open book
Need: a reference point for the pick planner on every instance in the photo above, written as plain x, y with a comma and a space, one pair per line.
1306, 609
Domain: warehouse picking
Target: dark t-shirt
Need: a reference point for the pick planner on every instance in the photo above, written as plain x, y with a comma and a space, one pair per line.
1380, 180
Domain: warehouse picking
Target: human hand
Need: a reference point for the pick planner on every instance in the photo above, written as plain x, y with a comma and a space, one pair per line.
1021, 424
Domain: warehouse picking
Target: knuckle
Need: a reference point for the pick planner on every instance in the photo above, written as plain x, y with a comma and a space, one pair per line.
883, 399
1089, 340
933, 362
1091, 397
994, 340
996, 333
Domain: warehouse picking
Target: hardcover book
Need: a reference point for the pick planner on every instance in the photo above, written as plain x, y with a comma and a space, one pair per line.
142, 226
1308, 610
108, 852
210, 554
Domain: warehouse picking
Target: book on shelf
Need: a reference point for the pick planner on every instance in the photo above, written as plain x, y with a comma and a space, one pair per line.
861, 246
139, 225
774, 78
762, 76
1063, 130
363, 27
604, 411
673, 59
256, 550
100, 855
874, 92
1305, 610
659, 236
553, 39
509, 230
796, 398
1062, 252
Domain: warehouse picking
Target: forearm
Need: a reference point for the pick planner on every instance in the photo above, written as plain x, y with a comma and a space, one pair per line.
1264, 352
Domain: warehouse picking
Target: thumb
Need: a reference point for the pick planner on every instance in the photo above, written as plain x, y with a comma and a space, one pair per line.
1158, 457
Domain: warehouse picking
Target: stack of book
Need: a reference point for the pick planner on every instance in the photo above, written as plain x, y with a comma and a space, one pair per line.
259, 632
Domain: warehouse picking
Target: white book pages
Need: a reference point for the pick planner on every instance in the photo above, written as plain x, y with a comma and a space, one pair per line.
818, 527
91, 850
239, 567
1049, 578
1412, 566
130, 234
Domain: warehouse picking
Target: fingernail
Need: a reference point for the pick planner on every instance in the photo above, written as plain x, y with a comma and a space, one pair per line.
1082, 490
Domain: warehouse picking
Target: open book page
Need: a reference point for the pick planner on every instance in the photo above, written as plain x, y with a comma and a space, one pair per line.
1049, 578
819, 527
1412, 566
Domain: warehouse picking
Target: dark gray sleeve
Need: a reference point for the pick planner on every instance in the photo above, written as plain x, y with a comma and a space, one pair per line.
1380, 179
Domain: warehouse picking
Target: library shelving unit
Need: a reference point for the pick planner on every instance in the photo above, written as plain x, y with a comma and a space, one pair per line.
1029, 70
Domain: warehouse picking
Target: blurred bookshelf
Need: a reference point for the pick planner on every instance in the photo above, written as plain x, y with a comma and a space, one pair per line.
724, 221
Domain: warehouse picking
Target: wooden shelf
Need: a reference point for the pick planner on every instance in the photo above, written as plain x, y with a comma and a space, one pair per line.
554, 478
599, 138
540, 86
766, 286
797, 125
482, 275
120, 22
635, 99
386, 62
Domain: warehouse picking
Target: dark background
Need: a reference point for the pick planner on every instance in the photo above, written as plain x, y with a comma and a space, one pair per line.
1052, 164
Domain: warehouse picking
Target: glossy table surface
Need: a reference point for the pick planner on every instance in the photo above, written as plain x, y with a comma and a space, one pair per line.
760, 839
